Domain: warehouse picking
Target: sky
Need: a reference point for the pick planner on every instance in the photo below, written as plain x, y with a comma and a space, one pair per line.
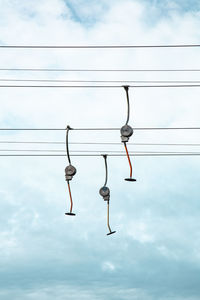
155, 252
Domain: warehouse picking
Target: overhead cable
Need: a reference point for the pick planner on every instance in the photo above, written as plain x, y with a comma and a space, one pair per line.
99, 81
99, 129
98, 70
90, 155
98, 143
101, 86
99, 46
94, 151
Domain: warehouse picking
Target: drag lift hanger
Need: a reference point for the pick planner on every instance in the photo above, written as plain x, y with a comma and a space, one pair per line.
70, 171
126, 133
105, 193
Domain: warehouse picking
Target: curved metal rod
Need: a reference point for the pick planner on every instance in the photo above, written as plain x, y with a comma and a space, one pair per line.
131, 169
70, 195
67, 143
108, 223
126, 87
108, 217
106, 168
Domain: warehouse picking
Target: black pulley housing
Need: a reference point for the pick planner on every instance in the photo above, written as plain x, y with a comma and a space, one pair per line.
105, 193
70, 171
126, 133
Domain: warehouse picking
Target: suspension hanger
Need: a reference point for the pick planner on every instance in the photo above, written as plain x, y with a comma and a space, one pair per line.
126, 133
70, 171
105, 193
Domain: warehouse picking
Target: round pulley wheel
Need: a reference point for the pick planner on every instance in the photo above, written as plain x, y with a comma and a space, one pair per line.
104, 191
126, 131
70, 170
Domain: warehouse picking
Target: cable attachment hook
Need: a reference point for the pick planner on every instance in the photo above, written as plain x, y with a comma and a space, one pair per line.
126, 132
105, 193
70, 171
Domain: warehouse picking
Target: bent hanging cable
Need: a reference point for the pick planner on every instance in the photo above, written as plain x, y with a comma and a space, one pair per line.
70, 196
105, 193
67, 143
108, 223
126, 133
70, 171
106, 169
127, 154
128, 104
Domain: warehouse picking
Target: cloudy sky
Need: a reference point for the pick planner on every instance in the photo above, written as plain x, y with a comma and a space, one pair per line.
155, 253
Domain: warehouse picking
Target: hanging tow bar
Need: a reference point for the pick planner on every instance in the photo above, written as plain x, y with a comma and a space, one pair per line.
105, 193
70, 171
126, 132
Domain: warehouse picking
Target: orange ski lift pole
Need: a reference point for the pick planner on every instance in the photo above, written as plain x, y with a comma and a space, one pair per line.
105, 193
126, 133
70, 171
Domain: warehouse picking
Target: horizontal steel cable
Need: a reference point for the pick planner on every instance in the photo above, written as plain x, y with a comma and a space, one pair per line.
99, 143
99, 129
98, 70
99, 46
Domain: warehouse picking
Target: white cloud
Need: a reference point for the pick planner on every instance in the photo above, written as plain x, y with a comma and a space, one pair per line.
139, 231
108, 266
